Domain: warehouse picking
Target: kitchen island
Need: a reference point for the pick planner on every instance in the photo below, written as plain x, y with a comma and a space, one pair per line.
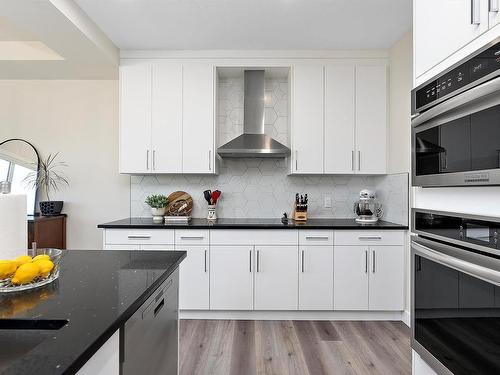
58, 328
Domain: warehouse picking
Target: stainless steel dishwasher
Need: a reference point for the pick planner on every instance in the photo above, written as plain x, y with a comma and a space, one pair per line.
150, 337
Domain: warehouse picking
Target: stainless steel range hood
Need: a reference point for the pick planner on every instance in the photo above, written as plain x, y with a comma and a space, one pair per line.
253, 143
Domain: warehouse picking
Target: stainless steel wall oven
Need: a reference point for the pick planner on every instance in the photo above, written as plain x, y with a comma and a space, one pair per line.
455, 285
456, 124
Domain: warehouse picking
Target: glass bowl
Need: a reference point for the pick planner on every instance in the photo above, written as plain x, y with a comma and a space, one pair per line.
55, 255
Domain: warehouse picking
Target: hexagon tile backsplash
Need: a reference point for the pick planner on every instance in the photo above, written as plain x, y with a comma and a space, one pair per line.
261, 188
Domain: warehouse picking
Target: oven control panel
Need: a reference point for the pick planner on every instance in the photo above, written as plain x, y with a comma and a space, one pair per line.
470, 71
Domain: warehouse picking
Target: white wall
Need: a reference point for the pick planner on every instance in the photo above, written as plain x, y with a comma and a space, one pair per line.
80, 120
400, 85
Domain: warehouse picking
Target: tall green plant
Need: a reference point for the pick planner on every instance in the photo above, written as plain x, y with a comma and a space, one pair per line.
48, 177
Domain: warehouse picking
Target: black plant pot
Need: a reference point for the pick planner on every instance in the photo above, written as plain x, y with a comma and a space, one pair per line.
51, 208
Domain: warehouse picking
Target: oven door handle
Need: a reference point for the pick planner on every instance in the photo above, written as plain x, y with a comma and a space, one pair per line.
480, 272
458, 101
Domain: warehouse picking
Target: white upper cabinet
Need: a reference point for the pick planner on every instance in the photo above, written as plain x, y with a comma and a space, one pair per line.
371, 119
443, 27
307, 119
493, 12
135, 118
198, 118
166, 118
340, 108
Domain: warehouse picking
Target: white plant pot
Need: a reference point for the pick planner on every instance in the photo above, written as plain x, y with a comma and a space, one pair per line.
158, 214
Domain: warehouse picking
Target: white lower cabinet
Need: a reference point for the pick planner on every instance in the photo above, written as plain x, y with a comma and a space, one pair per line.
316, 278
231, 277
350, 278
369, 278
193, 279
276, 278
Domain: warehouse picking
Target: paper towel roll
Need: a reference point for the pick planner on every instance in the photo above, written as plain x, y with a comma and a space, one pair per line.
13, 226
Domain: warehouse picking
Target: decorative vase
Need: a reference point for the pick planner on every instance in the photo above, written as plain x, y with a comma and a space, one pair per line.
51, 208
158, 214
212, 214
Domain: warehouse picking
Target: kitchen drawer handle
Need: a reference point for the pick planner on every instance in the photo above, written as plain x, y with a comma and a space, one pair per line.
317, 237
296, 160
352, 160
258, 261
138, 237
250, 260
154, 160
494, 6
373, 261
366, 261
147, 160
359, 160
302, 261
192, 237
475, 12
370, 237
209, 160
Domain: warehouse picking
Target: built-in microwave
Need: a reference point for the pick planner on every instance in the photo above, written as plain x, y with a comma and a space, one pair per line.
456, 124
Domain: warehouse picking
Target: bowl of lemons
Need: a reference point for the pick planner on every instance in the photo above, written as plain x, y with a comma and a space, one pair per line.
27, 272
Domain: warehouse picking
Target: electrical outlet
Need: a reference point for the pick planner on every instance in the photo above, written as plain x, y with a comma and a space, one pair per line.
327, 201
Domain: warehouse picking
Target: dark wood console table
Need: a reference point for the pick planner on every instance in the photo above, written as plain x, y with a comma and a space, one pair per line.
47, 231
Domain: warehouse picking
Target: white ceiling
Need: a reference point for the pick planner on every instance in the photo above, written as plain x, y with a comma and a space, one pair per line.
251, 24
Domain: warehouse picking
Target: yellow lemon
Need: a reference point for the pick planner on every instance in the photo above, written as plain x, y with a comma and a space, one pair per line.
23, 259
41, 256
45, 266
7, 268
26, 273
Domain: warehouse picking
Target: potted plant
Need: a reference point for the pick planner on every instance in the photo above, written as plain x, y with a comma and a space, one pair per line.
158, 203
49, 179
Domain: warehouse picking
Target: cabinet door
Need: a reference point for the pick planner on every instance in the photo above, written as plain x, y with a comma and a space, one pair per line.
307, 119
276, 278
386, 278
194, 279
198, 118
166, 118
339, 118
231, 277
350, 277
494, 13
371, 119
316, 278
452, 28
135, 117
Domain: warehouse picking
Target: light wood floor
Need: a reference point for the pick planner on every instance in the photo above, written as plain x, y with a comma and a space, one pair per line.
222, 347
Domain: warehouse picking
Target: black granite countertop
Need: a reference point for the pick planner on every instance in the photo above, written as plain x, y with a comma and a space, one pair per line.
223, 223
97, 291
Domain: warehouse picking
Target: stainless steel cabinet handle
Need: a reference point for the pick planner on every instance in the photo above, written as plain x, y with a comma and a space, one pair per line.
209, 160
250, 260
147, 160
154, 160
302, 261
258, 261
493, 6
138, 237
369, 237
366, 261
359, 160
317, 237
192, 237
475, 12
205, 260
296, 162
352, 160
373, 261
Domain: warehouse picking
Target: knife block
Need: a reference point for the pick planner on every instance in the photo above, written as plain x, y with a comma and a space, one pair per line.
299, 212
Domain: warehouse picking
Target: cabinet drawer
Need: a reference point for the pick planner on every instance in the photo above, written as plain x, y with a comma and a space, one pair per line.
253, 237
139, 236
316, 237
191, 237
369, 237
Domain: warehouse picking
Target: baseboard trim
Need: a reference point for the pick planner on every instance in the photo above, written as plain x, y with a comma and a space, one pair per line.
292, 315
406, 318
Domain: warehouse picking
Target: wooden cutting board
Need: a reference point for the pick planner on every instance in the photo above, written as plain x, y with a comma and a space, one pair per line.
180, 203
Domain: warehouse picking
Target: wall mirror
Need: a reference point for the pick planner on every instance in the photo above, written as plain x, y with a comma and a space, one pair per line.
18, 160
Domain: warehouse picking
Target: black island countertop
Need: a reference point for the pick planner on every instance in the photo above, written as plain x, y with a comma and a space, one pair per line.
97, 292
240, 223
